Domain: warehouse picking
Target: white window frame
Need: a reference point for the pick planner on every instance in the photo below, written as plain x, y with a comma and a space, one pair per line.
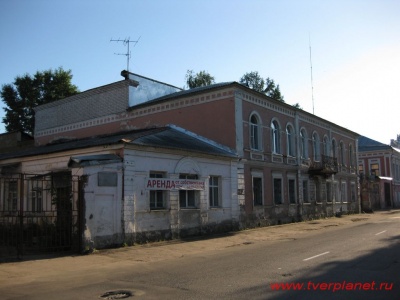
257, 175
290, 140
188, 194
212, 187
255, 132
303, 144
275, 136
316, 146
157, 193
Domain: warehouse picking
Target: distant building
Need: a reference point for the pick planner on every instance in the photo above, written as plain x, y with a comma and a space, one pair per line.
379, 168
395, 143
14, 141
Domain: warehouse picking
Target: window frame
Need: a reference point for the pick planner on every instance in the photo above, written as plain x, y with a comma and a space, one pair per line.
155, 194
255, 132
306, 191
212, 187
303, 144
290, 140
257, 195
316, 146
275, 136
189, 195
277, 189
290, 195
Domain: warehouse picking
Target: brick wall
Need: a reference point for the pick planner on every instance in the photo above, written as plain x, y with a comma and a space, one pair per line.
91, 104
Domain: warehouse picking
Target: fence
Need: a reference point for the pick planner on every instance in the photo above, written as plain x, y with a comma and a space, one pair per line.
39, 214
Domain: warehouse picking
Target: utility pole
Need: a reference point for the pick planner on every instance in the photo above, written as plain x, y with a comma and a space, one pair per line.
312, 84
126, 42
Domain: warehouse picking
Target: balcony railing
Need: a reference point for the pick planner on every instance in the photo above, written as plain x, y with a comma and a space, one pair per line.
326, 166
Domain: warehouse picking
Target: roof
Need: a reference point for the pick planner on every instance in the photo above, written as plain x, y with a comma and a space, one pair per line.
367, 144
186, 92
221, 85
168, 137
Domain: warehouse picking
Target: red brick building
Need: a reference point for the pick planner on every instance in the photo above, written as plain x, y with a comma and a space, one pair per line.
294, 165
379, 169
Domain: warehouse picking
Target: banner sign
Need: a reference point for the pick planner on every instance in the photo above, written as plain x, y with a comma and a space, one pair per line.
174, 184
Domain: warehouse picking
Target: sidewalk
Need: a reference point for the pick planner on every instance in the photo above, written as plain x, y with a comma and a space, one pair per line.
22, 272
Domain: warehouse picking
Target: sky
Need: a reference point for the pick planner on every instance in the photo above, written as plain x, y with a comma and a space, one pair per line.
338, 59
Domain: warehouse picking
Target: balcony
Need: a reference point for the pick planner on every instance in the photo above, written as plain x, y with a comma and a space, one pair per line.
325, 167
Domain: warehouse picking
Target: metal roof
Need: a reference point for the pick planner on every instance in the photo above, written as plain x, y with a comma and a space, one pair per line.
367, 144
170, 137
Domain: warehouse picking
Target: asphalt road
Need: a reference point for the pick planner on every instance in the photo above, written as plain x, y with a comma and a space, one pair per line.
354, 257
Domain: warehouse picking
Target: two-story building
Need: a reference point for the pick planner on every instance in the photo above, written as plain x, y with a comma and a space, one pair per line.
293, 164
379, 169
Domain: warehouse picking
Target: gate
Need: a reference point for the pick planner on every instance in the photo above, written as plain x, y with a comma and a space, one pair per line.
39, 214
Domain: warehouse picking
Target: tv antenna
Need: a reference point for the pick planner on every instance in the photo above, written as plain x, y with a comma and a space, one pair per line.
312, 84
126, 42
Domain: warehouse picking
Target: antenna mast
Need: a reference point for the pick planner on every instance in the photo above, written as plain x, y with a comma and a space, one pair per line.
126, 42
312, 84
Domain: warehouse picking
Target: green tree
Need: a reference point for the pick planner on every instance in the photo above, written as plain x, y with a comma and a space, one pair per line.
254, 81
202, 78
268, 87
297, 105
27, 92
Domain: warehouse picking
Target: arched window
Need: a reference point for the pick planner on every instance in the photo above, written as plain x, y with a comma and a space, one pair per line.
326, 146
255, 132
303, 144
275, 137
334, 148
351, 158
342, 155
316, 147
291, 148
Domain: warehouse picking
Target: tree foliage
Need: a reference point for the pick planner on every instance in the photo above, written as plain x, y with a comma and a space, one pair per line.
27, 92
202, 78
268, 87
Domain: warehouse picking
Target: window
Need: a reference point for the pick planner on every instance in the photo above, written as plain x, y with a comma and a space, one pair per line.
290, 141
214, 191
275, 137
36, 196
157, 197
374, 169
326, 146
278, 190
305, 192
329, 192
336, 192
255, 134
334, 148
303, 144
316, 148
353, 192
351, 158
292, 191
342, 156
10, 195
343, 192
187, 198
361, 169
257, 191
